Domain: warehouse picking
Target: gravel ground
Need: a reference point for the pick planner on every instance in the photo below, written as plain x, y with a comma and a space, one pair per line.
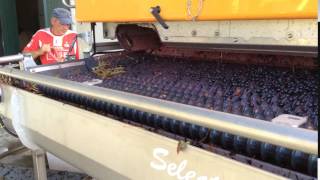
7, 141
19, 166
9, 172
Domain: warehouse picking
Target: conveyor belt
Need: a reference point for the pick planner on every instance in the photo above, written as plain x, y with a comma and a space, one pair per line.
254, 91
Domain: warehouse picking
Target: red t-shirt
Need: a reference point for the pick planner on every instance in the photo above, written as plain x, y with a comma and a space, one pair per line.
60, 45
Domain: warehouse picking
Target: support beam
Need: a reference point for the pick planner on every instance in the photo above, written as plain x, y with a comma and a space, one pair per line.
39, 165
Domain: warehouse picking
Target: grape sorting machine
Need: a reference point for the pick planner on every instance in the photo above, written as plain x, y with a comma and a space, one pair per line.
171, 107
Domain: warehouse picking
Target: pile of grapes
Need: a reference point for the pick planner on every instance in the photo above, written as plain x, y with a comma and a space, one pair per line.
248, 90
253, 91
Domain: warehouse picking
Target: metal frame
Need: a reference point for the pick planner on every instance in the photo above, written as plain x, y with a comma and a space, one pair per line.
290, 32
294, 138
68, 5
42, 68
305, 51
39, 165
107, 47
103, 147
297, 37
12, 151
11, 59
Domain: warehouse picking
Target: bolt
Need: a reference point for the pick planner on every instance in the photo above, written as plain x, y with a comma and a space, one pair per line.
216, 33
105, 34
194, 33
290, 35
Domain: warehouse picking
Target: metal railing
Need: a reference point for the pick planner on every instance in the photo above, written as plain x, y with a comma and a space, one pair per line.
11, 59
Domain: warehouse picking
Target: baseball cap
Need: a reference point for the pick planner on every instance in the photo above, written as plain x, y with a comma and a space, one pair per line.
63, 15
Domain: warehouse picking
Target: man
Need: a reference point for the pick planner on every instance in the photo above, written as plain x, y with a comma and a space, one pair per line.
54, 44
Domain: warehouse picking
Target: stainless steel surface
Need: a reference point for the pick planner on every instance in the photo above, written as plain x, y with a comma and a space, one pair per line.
291, 32
281, 36
290, 120
113, 50
294, 138
11, 58
39, 165
57, 66
241, 54
306, 51
11, 151
108, 149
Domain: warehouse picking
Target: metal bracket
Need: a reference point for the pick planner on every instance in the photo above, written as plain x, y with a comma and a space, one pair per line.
155, 11
68, 5
290, 120
39, 165
94, 45
11, 58
12, 151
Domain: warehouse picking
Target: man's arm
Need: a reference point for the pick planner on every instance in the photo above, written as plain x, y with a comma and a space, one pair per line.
35, 47
44, 49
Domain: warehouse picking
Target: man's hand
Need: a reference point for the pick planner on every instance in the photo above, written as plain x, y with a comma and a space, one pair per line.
57, 56
45, 49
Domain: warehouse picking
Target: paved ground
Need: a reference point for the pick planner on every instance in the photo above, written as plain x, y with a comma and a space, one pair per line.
7, 141
22, 173
21, 158
18, 166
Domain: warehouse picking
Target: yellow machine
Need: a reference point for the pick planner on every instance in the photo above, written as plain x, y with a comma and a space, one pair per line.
270, 26
203, 10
